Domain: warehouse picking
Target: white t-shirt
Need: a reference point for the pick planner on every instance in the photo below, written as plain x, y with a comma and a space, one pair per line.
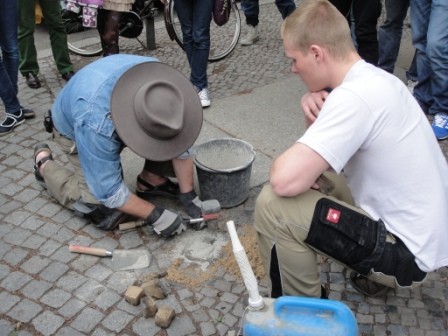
373, 130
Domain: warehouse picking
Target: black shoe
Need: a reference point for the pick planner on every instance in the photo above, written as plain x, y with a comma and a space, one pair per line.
27, 113
366, 286
68, 75
32, 80
167, 189
10, 122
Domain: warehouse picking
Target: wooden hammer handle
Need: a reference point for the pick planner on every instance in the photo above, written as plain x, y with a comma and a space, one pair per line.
101, 252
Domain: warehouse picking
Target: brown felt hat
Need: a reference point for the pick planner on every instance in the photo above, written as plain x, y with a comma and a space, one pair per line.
156, 111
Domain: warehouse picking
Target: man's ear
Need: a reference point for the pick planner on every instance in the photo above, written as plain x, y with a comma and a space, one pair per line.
316, 51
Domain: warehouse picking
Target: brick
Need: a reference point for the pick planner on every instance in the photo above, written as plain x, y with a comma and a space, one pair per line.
150, 307
155, 292
133, 295
164, 317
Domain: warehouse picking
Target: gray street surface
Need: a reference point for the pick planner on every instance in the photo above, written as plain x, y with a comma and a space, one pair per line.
46, 290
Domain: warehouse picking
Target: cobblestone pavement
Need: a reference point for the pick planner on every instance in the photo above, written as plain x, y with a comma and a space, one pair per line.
46, 290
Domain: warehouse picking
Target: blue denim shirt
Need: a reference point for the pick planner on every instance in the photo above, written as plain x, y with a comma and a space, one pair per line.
81, 113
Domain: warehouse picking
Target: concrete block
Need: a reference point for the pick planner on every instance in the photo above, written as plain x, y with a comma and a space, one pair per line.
133, 295
150, 307
164, 317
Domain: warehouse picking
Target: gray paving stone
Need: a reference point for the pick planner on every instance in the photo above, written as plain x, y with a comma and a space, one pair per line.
87, 320
98, 272
130, 240
49, 247
120, 281
117, 320
67, 331
64, 235
4, 271
7, 301
35, 264
47, 323
71, 308
181, 325
48, 229
207, 328
9, 207
107, 299
200, 315
15, 256
24, 311
145, 327
54, 271
6, 327
229, 297
71, 280
89, 291
36, 288
63, 254
55, 298
17, 236
15, 280
34, 242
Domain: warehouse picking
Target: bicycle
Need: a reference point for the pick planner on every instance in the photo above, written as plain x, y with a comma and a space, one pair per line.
223, 38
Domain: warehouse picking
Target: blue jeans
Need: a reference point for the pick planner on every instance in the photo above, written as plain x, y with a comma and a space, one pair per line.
430, 38
195, 17
251, 9
9, 62
390, 32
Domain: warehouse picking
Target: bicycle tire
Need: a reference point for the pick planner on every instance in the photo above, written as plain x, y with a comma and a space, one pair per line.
223, 39
85, 43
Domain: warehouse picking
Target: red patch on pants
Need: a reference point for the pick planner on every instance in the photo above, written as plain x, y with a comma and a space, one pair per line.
333, 215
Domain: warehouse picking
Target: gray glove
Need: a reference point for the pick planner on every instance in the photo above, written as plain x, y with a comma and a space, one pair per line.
165, 222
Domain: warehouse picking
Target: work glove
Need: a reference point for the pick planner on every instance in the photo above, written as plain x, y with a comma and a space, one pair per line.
191, 204
165, 222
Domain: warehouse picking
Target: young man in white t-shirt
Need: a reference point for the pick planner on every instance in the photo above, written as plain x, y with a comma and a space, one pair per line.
385, 216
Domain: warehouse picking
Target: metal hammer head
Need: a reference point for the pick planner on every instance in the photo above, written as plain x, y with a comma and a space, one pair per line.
210, 209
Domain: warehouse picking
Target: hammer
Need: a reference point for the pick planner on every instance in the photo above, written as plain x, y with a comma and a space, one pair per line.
210, 210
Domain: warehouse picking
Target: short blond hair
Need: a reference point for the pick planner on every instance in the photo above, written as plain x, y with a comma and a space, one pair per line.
318, 22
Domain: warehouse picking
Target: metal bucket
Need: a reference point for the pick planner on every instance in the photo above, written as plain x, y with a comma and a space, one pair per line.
224, 167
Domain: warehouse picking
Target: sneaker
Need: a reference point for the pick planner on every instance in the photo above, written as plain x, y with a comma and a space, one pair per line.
251, 37
10, 122
440, 126
203, 96
411, 85
32, 80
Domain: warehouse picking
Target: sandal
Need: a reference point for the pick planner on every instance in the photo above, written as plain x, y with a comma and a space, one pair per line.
166, 189
366, 286
37, 149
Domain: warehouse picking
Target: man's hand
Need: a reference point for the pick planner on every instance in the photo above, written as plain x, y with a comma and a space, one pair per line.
312, 103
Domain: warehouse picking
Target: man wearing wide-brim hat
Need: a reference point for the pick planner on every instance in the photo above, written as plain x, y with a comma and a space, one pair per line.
114, 102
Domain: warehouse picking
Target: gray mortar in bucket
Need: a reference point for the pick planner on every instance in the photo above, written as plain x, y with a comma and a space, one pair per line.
224, 168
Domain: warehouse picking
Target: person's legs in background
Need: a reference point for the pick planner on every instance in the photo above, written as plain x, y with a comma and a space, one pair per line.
28, 66
285, 7
108, 27
51, 10
390, 32
430, 36
195, 17
366, 14
251, 11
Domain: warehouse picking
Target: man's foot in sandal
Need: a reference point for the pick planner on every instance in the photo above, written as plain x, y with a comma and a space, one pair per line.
366, 286
42, 153
167, 189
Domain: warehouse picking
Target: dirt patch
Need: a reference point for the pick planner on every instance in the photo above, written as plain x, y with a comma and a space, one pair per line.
191, 275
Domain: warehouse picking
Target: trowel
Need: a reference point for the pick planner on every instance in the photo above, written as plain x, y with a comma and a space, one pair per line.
121, 259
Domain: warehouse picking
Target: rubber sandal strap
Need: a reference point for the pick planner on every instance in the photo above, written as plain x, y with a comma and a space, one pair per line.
144, 183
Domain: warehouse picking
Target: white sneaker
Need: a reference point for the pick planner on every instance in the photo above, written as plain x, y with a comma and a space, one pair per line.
203, 96
411, 85
251, 37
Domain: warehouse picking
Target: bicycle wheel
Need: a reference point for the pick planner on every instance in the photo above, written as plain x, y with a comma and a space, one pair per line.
223, 39
80, 40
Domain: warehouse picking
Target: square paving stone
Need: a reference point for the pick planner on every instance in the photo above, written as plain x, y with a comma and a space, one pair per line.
36, 288
55, 298
47, 323
25, 311
87, 320
117, 320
